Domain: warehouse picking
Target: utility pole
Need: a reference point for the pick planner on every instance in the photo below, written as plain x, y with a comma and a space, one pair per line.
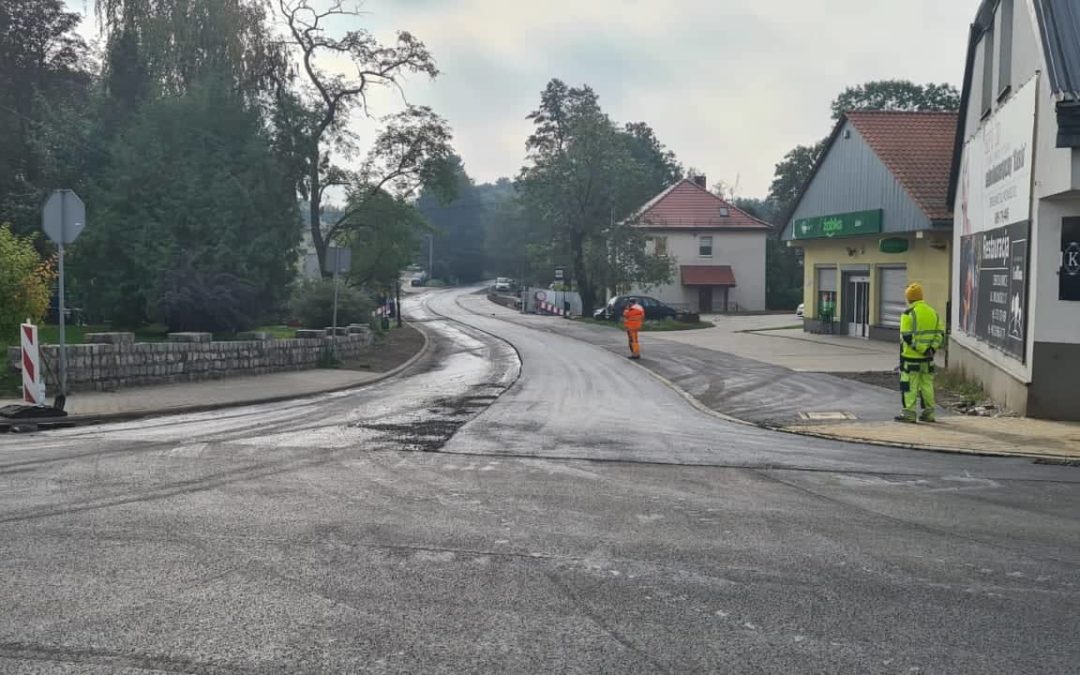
431, 257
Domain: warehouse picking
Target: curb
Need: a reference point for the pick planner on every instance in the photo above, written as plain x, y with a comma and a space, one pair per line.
925, 448
89, 420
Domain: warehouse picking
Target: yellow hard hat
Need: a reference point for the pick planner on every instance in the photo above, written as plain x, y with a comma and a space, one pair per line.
913, 293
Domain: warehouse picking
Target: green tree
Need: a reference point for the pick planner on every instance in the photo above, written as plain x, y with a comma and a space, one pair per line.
458, 227
25, 283
896, 95
41, 72
383, 233
193, 177
181, 43
576, 181
791, 175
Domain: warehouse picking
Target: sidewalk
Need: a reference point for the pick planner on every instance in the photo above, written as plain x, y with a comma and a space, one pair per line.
227, 392
743, 370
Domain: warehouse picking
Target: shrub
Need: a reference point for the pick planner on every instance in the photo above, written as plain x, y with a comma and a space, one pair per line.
25, 284
212, 302
313, 304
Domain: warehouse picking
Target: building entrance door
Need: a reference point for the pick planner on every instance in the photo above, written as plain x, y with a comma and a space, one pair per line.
857, 305
704, 294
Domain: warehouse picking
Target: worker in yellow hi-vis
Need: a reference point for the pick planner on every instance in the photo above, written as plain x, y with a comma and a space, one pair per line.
921, 335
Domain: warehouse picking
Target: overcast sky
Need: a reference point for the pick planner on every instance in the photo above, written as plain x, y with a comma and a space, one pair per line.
729, 85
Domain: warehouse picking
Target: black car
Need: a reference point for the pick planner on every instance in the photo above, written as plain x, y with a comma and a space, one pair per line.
654, 309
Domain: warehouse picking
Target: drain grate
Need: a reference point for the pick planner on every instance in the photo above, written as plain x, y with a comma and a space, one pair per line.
826, 416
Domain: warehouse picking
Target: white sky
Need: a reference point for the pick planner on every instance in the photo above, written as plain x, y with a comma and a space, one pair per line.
729, 85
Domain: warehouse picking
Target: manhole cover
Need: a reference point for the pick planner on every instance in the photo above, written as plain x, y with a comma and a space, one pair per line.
826, 416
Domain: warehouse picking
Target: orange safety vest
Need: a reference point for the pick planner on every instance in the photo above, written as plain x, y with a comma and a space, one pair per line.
633, 317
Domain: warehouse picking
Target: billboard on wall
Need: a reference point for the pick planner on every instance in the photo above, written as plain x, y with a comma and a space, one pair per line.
994, 224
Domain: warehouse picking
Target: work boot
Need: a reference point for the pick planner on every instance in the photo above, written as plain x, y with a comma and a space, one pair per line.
907, 419
927, 417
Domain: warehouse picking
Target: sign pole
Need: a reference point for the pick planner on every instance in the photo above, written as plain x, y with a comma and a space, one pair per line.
63, 322
333, 338
397, 302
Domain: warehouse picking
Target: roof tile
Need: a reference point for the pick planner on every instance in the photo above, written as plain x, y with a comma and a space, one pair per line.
917, 147
687, 205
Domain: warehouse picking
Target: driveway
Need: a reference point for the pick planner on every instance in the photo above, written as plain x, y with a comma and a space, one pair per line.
779, 339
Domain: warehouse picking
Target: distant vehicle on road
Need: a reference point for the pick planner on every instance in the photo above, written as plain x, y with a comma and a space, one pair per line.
654, 309
504, 284
800, 309
418, 280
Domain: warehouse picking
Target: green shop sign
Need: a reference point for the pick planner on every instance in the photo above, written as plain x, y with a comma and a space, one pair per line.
839, 225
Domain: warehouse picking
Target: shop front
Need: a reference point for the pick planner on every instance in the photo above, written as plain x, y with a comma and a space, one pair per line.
853, 287
873, 218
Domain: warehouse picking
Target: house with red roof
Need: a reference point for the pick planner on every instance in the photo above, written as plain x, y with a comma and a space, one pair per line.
717, 249
873, 217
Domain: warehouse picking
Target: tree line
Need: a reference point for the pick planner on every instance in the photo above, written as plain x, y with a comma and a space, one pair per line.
211, 138
195, 134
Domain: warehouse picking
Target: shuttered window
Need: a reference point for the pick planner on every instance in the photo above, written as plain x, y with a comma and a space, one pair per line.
826, 279
891, 284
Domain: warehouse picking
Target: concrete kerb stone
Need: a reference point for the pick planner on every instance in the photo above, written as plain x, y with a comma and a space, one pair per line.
87, 420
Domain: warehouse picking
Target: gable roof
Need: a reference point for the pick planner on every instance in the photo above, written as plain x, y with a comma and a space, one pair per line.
688, 206
916, 148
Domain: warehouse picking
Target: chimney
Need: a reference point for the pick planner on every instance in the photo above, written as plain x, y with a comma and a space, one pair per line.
700, 180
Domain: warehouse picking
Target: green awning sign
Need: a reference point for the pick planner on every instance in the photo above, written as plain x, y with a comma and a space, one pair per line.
838, 225
893, 245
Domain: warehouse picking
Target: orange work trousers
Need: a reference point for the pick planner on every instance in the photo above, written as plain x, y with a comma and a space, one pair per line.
635, 345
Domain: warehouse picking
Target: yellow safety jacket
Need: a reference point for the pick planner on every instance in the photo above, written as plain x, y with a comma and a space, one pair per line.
920, 331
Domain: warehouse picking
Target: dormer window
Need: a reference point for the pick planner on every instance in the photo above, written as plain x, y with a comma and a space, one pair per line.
724, 212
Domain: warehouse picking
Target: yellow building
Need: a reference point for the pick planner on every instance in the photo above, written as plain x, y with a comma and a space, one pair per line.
872, 218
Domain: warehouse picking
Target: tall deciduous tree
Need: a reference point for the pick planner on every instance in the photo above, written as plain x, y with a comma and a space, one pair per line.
41, 72
572, 181
192, 180
410, 148
896, 95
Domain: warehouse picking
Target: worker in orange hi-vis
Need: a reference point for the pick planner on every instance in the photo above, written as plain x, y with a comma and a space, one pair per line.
633, 320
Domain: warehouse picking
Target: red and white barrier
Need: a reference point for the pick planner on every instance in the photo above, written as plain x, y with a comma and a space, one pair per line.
549, 308
33, 382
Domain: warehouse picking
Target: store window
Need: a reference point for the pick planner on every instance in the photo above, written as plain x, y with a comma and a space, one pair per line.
705, 247
826, 295
891, 284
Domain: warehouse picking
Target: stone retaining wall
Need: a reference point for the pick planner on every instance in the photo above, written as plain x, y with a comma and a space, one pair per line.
117, 361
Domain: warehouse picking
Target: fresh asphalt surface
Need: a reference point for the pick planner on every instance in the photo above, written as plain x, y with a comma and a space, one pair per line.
522, 502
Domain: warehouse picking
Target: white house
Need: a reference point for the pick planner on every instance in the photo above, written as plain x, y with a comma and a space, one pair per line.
1016, 202
718, 250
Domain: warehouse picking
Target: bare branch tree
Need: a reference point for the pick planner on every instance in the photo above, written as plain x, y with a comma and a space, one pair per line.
330, 99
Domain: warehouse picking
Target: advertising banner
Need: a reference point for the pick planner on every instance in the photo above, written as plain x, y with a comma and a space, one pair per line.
993, 221
993, 287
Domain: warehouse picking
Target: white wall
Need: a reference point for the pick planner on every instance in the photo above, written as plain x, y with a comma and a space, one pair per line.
743, 251
1054, 320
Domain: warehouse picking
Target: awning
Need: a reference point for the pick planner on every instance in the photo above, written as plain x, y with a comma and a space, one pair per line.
707, 275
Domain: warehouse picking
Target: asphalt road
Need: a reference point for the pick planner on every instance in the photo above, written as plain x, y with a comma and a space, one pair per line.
521, 502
